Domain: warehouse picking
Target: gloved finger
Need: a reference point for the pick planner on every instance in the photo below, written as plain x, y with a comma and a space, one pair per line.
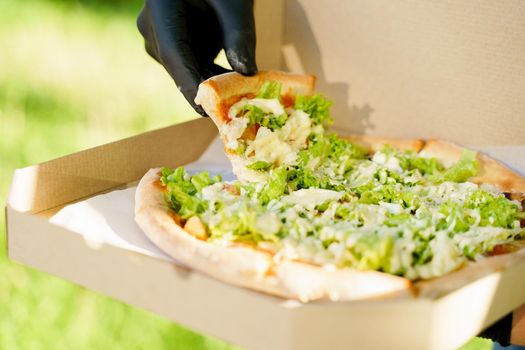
238, 25
144, 26
174, 50
209, 72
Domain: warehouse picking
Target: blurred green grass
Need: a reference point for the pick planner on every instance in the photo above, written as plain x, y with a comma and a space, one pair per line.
74, 75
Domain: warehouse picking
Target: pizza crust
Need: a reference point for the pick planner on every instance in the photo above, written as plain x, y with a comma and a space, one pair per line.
246, 267
213, 94
490, 171
375, 143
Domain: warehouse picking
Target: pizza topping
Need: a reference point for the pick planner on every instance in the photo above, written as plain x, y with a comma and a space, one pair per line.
316, 106
260, 129
365, 214
311, 196
233, 131
268, 146
182, 189
195, 227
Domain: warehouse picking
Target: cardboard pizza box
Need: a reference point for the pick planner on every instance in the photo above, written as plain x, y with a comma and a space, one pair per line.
449, 70
153, 282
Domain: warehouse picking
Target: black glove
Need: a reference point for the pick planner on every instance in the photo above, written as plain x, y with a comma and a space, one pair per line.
185, 36
499, 331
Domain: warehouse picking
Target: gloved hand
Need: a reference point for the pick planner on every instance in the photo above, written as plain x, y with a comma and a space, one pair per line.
185, 36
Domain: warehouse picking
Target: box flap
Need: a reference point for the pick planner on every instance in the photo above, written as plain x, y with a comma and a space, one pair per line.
50, 184
447, 69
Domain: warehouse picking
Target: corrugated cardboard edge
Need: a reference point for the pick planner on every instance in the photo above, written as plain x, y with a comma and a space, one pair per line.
98, 169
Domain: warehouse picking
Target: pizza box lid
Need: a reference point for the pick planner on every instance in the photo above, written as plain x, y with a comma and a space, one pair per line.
237, 315
448, 69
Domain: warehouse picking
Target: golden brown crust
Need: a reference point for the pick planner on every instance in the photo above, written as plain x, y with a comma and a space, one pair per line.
490, 171
220, 89
375, 143
245, 266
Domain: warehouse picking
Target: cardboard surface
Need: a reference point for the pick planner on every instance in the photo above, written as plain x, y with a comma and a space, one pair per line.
448, 69
108, 218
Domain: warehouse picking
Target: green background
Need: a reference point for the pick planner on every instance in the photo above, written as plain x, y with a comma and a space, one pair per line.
73, 75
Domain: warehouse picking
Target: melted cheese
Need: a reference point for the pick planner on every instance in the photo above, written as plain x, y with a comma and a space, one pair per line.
268, 106
233, 130
296, 130
268, 146
310, 197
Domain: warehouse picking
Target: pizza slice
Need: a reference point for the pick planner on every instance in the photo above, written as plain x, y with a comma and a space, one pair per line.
332, 218
264, 120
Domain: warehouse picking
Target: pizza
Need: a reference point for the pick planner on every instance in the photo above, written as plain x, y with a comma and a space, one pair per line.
314, 215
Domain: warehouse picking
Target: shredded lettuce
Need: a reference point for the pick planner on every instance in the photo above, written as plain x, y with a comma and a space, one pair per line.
330, 146
495, 211
316, 106
275, 187
372, 252
370, 194
456, 218
270, 89
464, 169
256, 116
182, 189
409, 160
245, 225
259, 165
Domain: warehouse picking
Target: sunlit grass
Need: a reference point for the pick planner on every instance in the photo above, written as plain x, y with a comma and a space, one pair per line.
71, 78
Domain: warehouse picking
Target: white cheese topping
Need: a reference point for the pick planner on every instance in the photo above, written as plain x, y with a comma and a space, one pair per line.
310, 197
268, 146
269, 106
233, 130
296, 130
277, 147
388, 161
407, 223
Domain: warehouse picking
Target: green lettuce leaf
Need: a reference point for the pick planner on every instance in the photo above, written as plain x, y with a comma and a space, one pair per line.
256, 115
275, 187
456, 218
270, 89
182, 189
372, 252
409, 160
494, 211
370, 194
274, 122
184, 203
464, 169
201, 180
259, 165
316, 106
330, 146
